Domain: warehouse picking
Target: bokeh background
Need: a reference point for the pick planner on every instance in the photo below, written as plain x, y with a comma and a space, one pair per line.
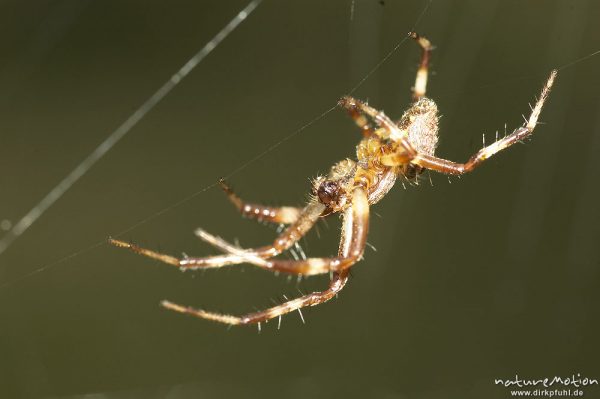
483, 277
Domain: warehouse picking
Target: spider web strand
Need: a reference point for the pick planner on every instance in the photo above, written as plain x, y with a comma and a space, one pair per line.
138, 115
392, 51
57, 192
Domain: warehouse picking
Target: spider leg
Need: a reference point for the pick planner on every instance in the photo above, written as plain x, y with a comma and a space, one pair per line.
358, 109
422, 73
308, 217
284, 214
354, 230
337, 283
360, 119
388, 129
352, 245
207, 262
454, 168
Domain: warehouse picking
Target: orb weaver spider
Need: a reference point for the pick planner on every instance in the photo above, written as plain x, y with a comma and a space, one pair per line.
387, 151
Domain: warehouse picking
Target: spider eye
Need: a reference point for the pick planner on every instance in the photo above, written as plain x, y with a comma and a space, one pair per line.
328, 192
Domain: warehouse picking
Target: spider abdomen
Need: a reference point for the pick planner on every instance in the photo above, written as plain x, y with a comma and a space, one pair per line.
421, 123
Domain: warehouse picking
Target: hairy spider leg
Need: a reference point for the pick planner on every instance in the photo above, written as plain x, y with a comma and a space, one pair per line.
308, 217
208, 262
283, 214
388, 129
453, 168
336, 284
422, 73
362, 121
356, 224
352, 244
419, 91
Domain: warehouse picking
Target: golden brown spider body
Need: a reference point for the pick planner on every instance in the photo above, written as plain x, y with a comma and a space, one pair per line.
387, 151
420, 122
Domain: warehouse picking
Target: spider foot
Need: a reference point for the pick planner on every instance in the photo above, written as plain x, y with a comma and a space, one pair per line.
144, 251
218, 317
119, 243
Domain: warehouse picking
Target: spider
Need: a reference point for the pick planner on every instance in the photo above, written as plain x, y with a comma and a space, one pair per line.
388, 151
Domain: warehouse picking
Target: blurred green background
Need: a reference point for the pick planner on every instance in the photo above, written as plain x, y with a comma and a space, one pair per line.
478, 278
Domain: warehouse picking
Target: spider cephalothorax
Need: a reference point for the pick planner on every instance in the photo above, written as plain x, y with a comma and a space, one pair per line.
333, 190
387, 151
329, 193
